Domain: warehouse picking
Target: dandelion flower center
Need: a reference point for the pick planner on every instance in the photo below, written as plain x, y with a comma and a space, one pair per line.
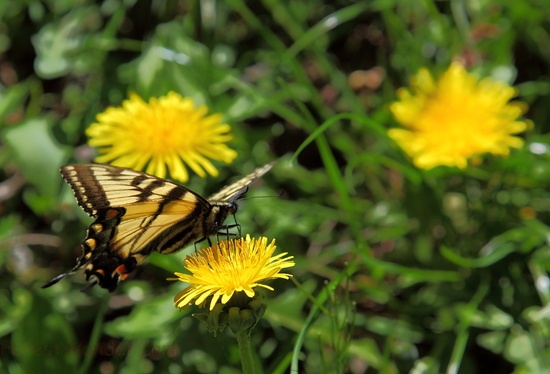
162, 139
449, 121
231, 266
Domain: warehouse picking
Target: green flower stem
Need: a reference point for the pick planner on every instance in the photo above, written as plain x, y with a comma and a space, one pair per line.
245, 349
96, 335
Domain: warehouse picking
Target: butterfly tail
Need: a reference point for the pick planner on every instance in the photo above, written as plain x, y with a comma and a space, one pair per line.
56, 279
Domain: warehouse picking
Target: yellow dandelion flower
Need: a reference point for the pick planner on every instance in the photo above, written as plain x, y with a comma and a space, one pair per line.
449, 121
163, 135
236, 265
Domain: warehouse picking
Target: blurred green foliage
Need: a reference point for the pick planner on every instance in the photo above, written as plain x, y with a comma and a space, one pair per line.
397, 270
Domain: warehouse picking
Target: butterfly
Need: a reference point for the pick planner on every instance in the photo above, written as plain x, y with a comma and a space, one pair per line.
137, 213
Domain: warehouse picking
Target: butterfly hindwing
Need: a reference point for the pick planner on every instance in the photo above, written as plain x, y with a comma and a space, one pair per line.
136, 213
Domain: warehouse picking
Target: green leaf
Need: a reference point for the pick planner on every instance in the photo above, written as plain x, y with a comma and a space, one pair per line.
171, 263
61, 46
493, 341
393, 327
175, 62
43, 341
497, 254
148, 319
12, 98
283, 309
519, 347
8, 226
13, 310
368, 350
493, 318
39, 157
425, 365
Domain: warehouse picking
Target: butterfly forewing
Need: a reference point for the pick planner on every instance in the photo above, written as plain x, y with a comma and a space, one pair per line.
136, 213
232, 192
103, 186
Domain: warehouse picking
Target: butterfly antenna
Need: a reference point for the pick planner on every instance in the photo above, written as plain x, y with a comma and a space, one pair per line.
262, 197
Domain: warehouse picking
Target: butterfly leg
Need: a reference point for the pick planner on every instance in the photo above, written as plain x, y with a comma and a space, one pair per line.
237, 225
201, 240
225, 230
90, 284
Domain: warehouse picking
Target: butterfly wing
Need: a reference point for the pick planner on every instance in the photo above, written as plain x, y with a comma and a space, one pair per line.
135, 214
232, 192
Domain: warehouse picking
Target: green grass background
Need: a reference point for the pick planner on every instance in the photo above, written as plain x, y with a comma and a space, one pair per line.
397, 270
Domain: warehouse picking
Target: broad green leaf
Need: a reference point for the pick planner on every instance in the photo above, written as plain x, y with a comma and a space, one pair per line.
61, 46
38, 156
12, 98
148, 319
493, 341
425, 365
393, 327
13, 310
492, 318
519, 346
43, 341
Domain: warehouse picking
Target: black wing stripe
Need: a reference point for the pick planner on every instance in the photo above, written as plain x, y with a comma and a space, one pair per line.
85, 188
150, 188
137, 180
173, 237
148, 222
180, 234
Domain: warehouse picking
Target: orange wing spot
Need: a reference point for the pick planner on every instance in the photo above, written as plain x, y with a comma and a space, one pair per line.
122, 272
99, 271
112, 213
88, 255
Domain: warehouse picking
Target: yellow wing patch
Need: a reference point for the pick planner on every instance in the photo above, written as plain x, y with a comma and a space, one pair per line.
150, 208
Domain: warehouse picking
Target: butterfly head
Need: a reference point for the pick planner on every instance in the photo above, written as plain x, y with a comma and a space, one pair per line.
229, 206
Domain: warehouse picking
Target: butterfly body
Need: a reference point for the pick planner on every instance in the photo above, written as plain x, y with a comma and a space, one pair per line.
136, 214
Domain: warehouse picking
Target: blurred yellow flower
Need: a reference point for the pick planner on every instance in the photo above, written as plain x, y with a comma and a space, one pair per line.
163, 135
449, 121
227, 267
